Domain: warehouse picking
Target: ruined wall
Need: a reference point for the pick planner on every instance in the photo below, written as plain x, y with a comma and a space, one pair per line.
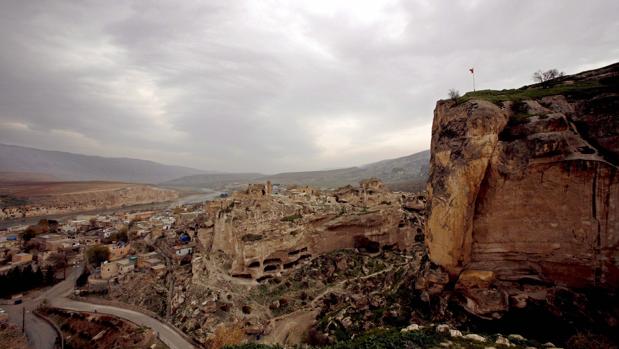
529, 189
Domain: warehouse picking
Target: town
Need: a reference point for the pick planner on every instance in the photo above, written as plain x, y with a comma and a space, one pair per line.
95, 250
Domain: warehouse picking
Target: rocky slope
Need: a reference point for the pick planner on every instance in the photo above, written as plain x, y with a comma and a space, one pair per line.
524, 185
265, 262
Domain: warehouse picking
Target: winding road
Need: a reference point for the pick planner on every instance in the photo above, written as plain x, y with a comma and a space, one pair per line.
42, 336
166, 334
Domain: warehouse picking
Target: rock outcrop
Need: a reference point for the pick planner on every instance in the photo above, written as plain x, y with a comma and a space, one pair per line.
265, 234
524, 183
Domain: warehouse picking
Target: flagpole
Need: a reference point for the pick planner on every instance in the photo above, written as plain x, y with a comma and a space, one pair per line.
473, 81
472, 70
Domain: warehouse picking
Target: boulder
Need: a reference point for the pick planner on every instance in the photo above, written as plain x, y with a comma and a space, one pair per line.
475, 279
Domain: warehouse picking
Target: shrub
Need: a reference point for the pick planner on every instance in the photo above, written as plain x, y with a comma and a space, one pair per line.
544, 76
453, 95
97, 254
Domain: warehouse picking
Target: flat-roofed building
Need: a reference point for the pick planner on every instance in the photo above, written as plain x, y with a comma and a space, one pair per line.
118, 250
22, 257
109, 270
144, 257
125, 266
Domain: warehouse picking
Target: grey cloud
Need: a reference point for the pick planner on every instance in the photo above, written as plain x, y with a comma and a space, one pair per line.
271, 86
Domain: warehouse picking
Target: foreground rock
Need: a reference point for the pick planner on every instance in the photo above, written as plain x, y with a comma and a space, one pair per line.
527, 187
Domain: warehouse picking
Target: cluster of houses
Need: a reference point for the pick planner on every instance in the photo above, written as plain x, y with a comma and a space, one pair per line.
71, 237
12, 254
150, 261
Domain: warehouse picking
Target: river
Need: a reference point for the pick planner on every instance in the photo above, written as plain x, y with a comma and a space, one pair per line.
204, 195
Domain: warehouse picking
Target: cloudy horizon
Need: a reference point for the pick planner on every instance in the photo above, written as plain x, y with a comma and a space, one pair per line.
272, 86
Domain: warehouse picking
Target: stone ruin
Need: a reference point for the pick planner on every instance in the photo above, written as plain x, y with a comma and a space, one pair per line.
264, 235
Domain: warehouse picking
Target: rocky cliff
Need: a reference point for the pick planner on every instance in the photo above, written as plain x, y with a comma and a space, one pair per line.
264, 235
524, 183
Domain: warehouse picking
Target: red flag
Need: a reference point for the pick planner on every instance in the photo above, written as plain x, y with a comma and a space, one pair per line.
472, 71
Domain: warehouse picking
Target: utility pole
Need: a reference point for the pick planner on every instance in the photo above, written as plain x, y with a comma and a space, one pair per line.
64, 269
23, 319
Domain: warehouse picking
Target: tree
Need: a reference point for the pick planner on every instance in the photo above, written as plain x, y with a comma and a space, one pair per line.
58, 261
545, 76
28, 234
454, 95
97, 254
120, 236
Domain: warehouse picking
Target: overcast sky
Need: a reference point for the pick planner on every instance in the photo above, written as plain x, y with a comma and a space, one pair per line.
267, 85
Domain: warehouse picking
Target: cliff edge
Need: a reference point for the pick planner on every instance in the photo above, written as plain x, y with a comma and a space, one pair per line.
523, 183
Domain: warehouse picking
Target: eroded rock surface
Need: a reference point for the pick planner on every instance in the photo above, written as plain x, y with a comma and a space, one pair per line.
527, 187
265, 234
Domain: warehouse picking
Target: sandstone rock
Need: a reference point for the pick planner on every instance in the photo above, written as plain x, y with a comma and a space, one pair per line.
503, 341
412, 327
475, 337
443, 329
475, 279
485, 303
455, 333
264, 236
516, 337
529, 189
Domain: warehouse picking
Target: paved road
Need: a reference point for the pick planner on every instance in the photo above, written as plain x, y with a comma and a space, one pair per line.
167, 335
40, 334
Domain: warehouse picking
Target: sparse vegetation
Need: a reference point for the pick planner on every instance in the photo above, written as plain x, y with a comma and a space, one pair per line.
453, 95
544, 76
579, 90
226, 335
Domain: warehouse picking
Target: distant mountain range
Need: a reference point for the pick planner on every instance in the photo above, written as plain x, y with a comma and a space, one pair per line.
64, 166
405, 173
29, 164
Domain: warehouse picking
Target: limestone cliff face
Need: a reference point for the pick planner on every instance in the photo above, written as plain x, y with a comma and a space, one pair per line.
524, 182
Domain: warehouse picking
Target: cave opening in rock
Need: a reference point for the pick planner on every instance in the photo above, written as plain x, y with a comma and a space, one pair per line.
366, 245
264, 278
270, 267
272, 261
290, 265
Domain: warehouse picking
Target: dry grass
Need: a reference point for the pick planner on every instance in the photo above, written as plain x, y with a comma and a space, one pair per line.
226, 335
